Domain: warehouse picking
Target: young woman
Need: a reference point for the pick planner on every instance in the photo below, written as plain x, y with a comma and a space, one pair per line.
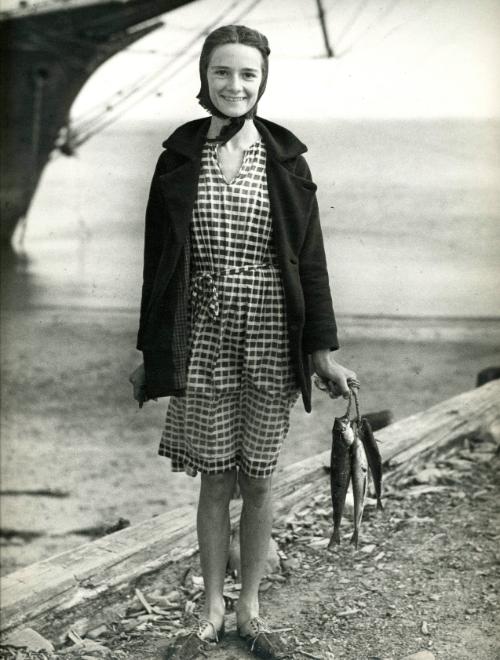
235, 307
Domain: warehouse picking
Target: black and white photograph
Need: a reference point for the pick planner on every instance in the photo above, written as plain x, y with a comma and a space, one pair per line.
250, 329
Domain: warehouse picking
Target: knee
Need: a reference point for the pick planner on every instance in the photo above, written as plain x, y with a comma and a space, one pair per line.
255, 492
218, 487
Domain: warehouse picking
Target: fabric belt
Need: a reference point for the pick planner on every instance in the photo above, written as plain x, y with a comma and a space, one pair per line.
204, 294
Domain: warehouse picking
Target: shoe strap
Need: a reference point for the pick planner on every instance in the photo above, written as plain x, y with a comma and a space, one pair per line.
256, 626
200, 629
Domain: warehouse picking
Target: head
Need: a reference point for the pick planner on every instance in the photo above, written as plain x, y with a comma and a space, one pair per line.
233, 71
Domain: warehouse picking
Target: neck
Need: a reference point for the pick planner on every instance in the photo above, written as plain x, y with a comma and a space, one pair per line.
245, 137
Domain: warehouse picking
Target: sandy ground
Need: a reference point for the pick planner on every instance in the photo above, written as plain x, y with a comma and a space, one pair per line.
423, 580
69, 424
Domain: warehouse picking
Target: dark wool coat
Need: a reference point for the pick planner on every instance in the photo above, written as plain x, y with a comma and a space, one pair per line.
164, 326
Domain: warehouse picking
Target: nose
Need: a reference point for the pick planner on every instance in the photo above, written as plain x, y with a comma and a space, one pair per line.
234, 83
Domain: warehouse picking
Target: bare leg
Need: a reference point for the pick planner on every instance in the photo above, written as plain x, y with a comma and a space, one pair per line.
255, 532
213, 538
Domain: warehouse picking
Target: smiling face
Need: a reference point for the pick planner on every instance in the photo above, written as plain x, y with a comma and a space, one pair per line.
234, 76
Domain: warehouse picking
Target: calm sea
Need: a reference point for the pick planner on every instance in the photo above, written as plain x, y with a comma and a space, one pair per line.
410, 213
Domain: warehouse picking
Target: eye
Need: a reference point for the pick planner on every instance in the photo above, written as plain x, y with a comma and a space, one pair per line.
250, 75
220, 72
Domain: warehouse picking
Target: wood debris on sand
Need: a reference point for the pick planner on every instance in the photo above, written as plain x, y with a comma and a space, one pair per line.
302, 535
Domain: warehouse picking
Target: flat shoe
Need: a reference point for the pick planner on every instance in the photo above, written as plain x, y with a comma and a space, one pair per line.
193, 645
262, 641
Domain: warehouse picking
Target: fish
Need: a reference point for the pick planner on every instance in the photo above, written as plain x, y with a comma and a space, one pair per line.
340, 471
359, 475
374, 458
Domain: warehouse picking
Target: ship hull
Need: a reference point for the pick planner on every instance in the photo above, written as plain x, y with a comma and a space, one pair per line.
46, 58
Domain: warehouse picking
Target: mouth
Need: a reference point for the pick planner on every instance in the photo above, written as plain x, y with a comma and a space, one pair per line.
233, 99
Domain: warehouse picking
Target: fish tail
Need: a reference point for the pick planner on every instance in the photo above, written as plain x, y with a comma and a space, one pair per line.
355, 538
380, 506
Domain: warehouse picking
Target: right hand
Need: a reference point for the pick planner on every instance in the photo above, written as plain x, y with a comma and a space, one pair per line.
138, 380
338, 380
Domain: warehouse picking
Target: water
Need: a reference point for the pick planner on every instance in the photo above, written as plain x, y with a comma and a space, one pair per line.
410, 212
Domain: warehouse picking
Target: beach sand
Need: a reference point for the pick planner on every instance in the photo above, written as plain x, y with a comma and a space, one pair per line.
70, 424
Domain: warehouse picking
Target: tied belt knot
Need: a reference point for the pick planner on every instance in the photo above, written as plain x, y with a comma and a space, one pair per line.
204, 288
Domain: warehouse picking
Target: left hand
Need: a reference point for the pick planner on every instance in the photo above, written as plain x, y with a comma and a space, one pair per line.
138, 380
337, 377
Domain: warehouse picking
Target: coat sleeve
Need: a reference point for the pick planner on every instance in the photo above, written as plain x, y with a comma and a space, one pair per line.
153, 243
320, 328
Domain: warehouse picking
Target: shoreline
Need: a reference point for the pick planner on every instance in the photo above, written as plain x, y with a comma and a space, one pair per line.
353, 326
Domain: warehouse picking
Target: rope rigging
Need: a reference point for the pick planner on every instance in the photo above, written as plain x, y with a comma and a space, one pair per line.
122, 95
97, 118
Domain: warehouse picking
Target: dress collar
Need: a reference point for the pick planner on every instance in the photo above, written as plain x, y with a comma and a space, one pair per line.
281, 144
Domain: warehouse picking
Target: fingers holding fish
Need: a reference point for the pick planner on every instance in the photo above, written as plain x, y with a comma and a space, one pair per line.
333, 389
353, 383
334, 374
325, 385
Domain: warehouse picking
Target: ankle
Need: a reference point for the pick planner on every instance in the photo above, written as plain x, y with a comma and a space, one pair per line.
214, 611
246, 610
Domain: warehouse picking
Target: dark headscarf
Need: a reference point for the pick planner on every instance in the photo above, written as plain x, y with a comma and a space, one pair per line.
231, 34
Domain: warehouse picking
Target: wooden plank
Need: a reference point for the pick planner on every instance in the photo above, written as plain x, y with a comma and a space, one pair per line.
467, 414
70, 579
100, 556
77, 575
33, 590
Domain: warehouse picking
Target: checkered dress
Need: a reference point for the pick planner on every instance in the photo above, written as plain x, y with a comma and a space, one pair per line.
240, 383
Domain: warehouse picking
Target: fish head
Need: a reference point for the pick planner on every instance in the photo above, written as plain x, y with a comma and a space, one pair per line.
343, 426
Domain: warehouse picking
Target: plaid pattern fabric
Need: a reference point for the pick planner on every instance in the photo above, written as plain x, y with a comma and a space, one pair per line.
180, 337
240, 382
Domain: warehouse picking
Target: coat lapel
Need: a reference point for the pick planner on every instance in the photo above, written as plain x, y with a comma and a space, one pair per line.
180, 183
179, 188
290, 198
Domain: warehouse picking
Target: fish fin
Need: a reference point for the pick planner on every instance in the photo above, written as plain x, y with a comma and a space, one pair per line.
355, 538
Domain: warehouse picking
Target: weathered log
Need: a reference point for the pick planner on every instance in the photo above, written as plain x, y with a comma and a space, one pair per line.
71, 578
62, 584
438, 427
